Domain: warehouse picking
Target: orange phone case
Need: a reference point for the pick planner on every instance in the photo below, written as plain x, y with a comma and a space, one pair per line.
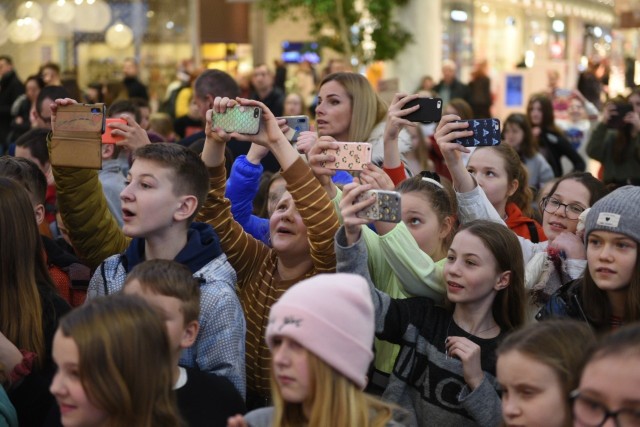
107, 137
350, 156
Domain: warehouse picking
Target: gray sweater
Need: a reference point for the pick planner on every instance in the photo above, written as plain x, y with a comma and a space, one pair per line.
264, 416
424, 381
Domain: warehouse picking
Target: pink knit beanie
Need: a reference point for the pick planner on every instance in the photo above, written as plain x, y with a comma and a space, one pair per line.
331, 315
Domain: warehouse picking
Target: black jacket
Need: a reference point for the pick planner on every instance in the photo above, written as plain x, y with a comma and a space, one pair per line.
554, 146
10, 89
457, 90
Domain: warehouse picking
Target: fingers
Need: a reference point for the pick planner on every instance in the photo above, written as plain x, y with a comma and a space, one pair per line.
236, 421
461, 347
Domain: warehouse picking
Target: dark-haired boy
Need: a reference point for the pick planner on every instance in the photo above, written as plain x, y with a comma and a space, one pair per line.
169, 287
167, 185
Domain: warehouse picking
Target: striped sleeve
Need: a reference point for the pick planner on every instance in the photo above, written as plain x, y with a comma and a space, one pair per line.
317, 212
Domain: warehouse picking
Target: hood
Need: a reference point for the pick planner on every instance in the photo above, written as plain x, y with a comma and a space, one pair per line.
202, 247
515, 216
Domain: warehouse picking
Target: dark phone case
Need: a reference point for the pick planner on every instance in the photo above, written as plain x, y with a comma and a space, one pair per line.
617, 121
486, 133
430, 110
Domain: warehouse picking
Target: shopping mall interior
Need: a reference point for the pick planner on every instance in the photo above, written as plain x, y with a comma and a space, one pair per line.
90, 39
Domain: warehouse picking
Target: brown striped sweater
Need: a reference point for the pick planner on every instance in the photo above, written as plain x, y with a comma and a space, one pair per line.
256, 264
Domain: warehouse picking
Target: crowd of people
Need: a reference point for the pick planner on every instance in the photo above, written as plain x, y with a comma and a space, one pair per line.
211, 278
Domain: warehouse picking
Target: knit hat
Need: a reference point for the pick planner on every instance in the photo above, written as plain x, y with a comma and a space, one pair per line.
331, 315
618, 211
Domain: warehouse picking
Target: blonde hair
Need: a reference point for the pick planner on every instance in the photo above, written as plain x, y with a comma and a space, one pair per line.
335, 401
367, 108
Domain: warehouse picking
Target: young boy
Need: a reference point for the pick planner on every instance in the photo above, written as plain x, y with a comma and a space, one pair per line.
203, 399
167, 185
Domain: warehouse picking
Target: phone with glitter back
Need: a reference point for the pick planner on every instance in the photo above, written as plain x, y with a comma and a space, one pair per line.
486, 133
350, 156
386, 207
241, 119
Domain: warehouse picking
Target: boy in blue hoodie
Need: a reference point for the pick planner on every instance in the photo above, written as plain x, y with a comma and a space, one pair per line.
167, 185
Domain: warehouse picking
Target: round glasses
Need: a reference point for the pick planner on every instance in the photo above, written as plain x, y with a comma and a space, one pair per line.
594, 414
571, 210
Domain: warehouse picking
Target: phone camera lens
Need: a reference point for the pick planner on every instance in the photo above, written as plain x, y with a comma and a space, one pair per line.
300, 120
255, 113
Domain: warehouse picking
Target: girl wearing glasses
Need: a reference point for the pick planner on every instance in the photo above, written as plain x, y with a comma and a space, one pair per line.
609, 293
608, 390
552, 263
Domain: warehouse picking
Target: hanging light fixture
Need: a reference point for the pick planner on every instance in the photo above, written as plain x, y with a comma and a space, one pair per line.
29, 9
25, 30
61, 12
119, 36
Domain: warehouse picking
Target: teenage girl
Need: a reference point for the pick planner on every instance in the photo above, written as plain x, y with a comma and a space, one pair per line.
405, 259
517, 133
301, 230
114, 366
538, 366
320, 335
503, 177
608, 391
563, 252
445, 372
30, 307
609, 293
551, 140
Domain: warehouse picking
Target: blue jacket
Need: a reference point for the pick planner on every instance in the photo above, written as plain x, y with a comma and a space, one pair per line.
220, 346
242, 187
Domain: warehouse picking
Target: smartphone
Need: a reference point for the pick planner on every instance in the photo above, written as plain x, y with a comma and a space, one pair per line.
107, 137
80, 118
430, 110
296, 125
617, 121
350, 156
386, 207
241, 119
486, 133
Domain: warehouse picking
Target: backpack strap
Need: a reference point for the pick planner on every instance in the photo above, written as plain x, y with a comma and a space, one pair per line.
533, 232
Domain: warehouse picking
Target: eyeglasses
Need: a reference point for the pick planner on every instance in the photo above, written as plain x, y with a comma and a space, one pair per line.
571, 211
594, 414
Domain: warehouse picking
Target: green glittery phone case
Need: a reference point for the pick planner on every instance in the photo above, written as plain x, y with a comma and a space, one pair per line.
241, 119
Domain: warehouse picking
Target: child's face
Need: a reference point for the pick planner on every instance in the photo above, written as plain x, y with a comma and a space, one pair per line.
288, 232
277, 188
149, 205
531, 392
576, 110
291, 370
535, 115
170, 311
75, 408
471, 271
611, 258
422, 222
609, 383
489, 170
513, 135
569, 192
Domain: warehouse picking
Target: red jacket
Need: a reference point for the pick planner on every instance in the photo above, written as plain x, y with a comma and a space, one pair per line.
523, 225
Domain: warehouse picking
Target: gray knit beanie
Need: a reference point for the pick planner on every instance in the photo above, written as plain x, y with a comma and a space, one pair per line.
618, 211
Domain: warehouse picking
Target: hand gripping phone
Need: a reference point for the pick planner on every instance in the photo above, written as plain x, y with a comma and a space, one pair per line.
241, 119
386, 207
107, 137
617, 121
350, 156
430, 110
486, 133
296, 125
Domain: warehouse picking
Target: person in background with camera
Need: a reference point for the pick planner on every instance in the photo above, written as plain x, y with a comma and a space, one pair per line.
615, 142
